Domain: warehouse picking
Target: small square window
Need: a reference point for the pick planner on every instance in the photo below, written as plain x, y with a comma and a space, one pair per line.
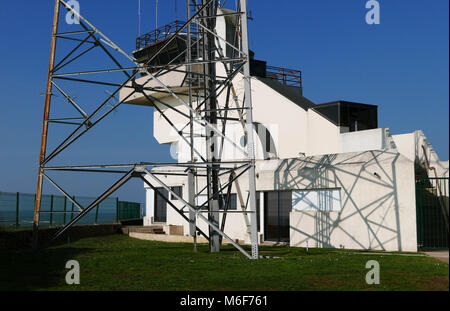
178, 191
233, 202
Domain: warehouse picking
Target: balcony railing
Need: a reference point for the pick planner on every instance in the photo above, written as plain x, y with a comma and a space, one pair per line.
159, 34
288, 77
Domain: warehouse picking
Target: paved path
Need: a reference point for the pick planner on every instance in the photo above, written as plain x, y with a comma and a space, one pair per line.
440, 255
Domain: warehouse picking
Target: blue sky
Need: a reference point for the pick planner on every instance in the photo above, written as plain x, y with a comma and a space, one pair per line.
400, 65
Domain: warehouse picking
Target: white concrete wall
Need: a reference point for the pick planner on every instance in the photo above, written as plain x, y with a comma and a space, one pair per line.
235, 135
172, 80
149, 206
286, 120
406, 145
287, 123
363, 140
410, 145
322, 136
377, 212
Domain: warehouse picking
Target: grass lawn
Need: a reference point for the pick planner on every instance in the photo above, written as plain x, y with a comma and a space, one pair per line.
118, 262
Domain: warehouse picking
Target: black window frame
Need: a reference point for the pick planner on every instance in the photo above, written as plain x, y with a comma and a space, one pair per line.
156, 210
278, 232
233, 202
178, 190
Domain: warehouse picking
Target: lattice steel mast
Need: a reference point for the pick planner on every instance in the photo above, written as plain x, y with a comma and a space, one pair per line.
203, 89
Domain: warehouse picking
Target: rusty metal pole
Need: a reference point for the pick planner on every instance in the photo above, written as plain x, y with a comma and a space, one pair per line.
48, 98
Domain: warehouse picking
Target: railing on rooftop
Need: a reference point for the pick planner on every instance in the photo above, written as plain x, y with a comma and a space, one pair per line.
288, 77
159, 34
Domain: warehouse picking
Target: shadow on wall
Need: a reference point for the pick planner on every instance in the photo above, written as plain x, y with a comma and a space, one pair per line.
369, 213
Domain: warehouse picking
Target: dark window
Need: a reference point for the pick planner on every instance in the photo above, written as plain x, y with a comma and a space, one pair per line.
285, 208
222, 201
353, 116
231, 35
268, 137
271, 216
358, 117
233, 202
160, 205
178, 191
258, 210
277, 207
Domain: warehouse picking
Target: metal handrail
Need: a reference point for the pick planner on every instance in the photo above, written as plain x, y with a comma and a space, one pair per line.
158, 34
289, 77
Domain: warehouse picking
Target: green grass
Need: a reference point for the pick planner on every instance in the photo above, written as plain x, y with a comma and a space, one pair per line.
118, 262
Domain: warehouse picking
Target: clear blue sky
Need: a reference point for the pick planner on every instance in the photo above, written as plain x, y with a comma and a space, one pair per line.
400, 65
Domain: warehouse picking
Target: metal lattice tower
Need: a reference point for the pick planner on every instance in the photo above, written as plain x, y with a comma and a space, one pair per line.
199, 62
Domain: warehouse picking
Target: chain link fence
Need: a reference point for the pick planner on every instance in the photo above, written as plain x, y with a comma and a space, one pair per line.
17, 210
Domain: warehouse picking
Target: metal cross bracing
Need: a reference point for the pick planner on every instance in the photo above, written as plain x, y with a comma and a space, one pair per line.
200, 98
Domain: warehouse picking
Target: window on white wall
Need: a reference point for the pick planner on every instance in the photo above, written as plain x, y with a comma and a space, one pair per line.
178, 191
201, 199
317, 200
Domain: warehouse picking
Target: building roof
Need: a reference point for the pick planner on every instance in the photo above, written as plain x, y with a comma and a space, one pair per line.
343, 102
291, 93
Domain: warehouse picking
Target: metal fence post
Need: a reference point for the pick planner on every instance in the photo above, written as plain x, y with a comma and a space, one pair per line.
71, 214
17, 209
117, 210
65, 209
51, 210
96, 215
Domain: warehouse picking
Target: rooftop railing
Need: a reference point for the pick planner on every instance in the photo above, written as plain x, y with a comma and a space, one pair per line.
159, 34
288, 77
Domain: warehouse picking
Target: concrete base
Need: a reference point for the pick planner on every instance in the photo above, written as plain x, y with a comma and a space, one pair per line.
173, 238
166, 238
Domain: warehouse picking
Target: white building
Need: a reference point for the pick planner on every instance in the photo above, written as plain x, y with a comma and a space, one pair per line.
327, 176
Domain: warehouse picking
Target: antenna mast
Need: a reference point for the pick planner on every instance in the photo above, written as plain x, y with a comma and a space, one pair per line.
176, 10
205, 96
139, 18
156, 20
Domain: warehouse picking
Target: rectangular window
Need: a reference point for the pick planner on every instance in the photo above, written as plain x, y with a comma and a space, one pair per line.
201, 199
277, 207
268, 141
233, 202
160, 205
317, 200
258, 209
178, 191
